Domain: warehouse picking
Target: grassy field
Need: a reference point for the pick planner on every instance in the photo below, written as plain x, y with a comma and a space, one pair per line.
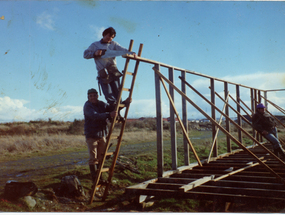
49, 141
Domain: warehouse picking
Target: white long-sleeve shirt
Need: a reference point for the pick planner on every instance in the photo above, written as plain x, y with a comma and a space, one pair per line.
102, 63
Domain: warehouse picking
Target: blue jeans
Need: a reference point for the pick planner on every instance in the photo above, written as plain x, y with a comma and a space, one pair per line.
111, 90
272, 136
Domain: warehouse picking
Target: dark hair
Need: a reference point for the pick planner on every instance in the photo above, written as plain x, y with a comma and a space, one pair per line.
92, 90
110, 31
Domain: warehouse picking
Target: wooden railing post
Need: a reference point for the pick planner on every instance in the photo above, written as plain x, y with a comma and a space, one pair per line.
226, 91
239, 122
159, 128
213, 110
185, 120
172, 122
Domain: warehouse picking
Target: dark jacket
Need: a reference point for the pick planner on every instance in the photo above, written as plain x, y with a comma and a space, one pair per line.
263, 122
95, 116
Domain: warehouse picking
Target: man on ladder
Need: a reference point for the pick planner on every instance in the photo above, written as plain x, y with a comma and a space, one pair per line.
96, 114
108, 73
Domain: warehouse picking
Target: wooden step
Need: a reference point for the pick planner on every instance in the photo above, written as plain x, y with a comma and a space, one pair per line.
129, 73
110, 153
105, 170
126, 89
114, 137
122, 105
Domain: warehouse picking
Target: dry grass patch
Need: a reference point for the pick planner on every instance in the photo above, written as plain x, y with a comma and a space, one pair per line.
22, 144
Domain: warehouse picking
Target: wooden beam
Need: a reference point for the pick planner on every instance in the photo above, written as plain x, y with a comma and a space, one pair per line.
185, 121
196, 183
172, 123
237, 171
226, 93
159, 124
213, 115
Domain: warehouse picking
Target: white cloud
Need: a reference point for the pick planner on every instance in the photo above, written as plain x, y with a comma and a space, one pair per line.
46, 21
146, 108
263, 81
97, 31
15, 110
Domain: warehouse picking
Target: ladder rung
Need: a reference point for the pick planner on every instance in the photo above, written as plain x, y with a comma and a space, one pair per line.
126, 89
114, 137
122, 105
129, 73
109, 153
105, 170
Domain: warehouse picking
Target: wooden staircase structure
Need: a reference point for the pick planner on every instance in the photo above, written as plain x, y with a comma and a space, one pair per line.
248, 174
251, 173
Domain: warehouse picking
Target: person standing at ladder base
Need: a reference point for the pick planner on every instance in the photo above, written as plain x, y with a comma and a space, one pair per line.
96, 114
108, 73
266, 125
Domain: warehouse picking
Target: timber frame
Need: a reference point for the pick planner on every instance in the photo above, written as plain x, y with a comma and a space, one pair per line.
246, 174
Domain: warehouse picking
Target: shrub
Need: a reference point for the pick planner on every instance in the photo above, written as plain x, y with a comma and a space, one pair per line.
77, 127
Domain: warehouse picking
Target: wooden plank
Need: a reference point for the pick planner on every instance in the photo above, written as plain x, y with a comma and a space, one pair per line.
236, 171
196, 183
239, 122
213, 116
161, 193
227, 183
163, 186
226, 92
142, 185
241, 191
232, 177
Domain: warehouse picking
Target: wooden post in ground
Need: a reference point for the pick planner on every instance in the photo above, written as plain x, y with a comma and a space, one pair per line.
172, 123
159, 128
226, 92
185, 120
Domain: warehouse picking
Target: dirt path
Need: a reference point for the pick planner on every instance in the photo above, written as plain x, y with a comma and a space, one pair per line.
38, 167
32, 169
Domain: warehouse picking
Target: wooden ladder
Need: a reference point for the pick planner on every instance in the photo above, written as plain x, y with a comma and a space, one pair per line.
114, 155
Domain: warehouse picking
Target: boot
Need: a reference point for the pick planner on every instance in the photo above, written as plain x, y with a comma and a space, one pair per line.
93, 171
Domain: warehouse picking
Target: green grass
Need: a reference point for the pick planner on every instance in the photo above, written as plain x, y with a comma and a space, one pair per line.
146, 164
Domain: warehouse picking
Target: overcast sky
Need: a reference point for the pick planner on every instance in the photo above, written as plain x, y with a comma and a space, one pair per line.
44, 74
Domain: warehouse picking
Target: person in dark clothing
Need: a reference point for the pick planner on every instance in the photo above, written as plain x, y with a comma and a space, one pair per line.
96, 114
266, 125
